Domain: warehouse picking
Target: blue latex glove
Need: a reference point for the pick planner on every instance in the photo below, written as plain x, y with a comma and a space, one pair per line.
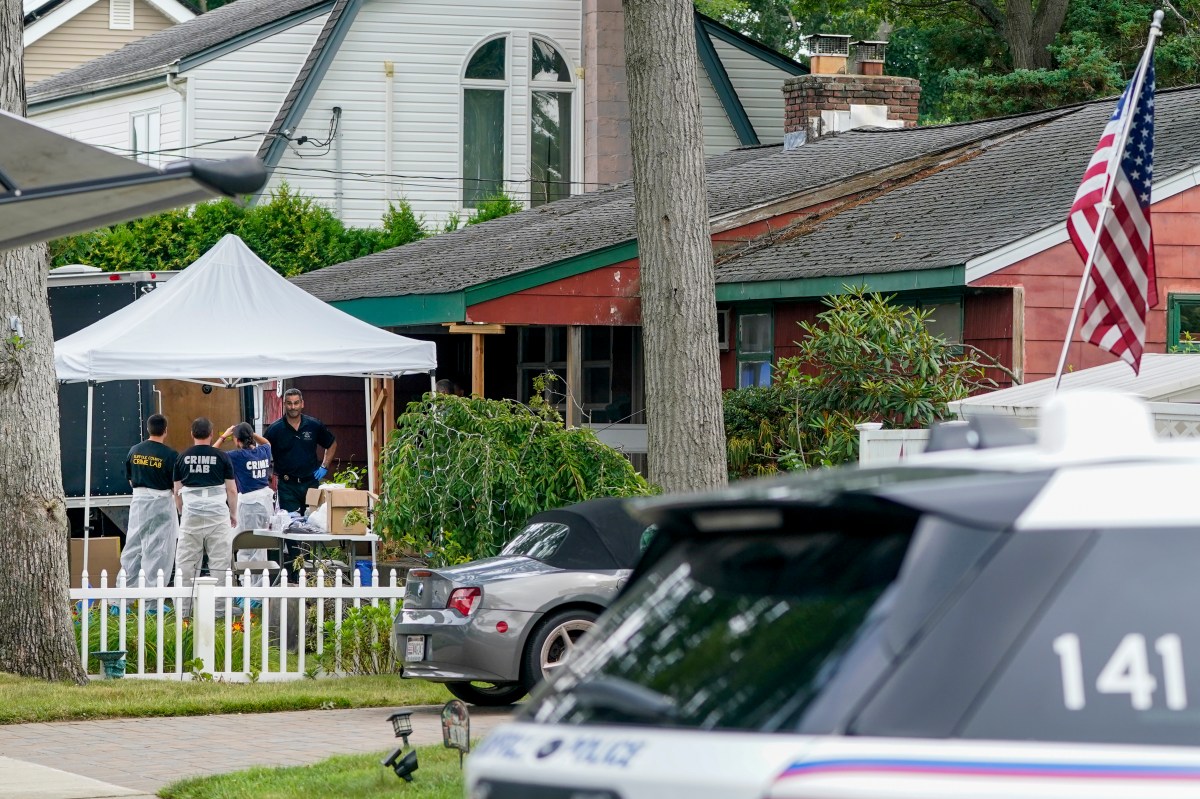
320, 473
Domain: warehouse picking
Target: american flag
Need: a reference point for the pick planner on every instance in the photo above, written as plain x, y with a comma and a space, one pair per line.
1121, 285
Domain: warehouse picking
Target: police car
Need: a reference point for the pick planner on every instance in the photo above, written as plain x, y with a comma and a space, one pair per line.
1021, 621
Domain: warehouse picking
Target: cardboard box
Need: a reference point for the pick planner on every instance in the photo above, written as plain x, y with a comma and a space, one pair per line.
104, 554
340, 501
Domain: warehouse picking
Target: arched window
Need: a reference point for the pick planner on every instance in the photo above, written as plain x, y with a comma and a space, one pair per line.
550, 119
484, 84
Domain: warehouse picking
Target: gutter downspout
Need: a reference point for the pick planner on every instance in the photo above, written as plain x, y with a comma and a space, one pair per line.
389, 78
337, 162
180, 87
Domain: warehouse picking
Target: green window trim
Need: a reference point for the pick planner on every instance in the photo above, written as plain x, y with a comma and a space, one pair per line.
1180, 306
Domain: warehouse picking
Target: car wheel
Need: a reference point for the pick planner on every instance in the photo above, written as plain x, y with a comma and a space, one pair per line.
487, 694
553, 641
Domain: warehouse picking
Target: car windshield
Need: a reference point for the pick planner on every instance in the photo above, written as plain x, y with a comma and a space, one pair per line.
539, 540
741, 632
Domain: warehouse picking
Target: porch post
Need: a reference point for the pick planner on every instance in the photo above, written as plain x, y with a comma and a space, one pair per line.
477, 364
381, 415
574, 376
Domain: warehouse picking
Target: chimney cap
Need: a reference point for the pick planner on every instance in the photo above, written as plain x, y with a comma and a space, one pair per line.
869, 49
829, 44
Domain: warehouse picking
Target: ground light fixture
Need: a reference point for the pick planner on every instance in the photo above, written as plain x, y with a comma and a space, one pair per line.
402, 724
406, 765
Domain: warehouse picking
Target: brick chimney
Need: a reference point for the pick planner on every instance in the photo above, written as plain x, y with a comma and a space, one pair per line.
831, 101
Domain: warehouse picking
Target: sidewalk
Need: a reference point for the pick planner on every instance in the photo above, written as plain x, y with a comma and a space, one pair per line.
137, 757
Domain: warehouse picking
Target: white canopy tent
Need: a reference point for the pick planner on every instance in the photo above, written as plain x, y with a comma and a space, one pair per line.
229, 319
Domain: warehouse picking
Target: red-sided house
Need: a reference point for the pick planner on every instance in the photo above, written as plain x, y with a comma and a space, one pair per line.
966, 220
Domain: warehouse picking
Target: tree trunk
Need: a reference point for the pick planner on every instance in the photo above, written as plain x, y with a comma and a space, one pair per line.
1027, 31
678, 292
36, 635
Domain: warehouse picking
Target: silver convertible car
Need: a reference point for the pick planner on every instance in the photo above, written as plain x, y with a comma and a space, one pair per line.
493, 628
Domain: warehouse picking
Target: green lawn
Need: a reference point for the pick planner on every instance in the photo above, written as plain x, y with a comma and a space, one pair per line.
24, 700
345, 777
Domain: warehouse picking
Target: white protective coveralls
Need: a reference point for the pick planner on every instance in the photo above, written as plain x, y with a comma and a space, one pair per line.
204, 527
255, 509
153, 533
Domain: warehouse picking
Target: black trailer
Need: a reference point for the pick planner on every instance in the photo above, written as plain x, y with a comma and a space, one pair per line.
80, 296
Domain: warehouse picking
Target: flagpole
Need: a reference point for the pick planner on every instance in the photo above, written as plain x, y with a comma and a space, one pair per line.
1106, 202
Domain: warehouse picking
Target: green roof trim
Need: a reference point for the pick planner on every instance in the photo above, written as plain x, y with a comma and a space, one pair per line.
728, 95
559, 270
748, 45
808, 287
312, 81
252, 36
406, 310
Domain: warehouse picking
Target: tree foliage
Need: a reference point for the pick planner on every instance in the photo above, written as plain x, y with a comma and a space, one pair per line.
461, 475
290, 231
962, 50
867, 358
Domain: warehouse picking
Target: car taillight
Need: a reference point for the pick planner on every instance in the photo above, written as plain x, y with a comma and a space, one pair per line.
464, 600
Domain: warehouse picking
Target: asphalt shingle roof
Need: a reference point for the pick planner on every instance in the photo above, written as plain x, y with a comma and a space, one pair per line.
158, 50
1012, 189
587, 222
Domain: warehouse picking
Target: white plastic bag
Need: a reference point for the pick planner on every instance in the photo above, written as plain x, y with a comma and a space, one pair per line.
320, 517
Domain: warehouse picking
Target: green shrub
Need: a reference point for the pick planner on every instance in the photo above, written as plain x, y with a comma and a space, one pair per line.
495, 206
867, 358
362, 645
291, 232
461, 475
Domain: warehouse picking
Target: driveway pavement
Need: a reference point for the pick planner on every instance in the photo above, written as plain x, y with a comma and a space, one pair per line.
137, 757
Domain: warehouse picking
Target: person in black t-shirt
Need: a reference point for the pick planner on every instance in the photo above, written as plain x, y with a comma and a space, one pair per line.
294, 441
206, 493
153, 523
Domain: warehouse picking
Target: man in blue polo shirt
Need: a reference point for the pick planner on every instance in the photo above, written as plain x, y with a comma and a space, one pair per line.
294, 441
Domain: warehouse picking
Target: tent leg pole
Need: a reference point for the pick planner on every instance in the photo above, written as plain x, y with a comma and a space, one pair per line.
87, 484
371, 470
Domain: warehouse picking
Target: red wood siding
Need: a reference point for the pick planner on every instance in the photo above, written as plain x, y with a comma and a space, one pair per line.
988, 325
750, 231
1051, 280
604, 296
339, 402
788, 316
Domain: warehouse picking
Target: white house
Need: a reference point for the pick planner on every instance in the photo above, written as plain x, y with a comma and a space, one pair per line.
359, 102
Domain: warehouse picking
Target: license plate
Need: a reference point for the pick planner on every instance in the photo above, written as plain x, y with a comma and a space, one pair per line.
414, 648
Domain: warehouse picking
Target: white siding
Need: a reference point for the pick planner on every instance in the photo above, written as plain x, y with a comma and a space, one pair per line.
239, 94
105, 122
760, 88
719, 135
428, 42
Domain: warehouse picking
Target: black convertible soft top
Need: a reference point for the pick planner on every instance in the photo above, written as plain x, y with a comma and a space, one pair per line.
602, 535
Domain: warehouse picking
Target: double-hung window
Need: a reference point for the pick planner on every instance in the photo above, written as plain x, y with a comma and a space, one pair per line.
755, 348
547, 81
549, 124
485, 87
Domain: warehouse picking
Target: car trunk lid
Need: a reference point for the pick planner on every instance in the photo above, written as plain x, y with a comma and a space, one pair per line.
431, 588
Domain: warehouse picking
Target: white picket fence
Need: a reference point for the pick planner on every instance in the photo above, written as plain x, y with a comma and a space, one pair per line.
266, 606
